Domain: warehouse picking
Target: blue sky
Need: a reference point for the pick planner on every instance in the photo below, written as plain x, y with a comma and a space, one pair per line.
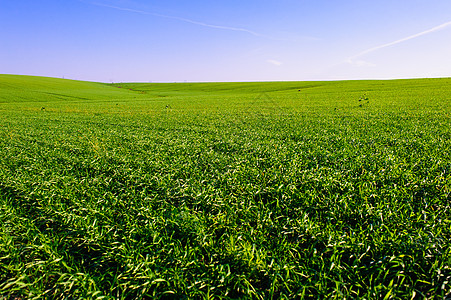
225, 40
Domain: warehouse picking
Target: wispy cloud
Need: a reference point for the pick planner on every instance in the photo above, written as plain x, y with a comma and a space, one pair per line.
142, 12
359, 62
274, 62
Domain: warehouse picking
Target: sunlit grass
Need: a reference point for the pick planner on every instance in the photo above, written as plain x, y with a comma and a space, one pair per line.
225, 190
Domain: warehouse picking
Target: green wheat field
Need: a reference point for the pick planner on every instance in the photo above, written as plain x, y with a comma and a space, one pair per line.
273, 190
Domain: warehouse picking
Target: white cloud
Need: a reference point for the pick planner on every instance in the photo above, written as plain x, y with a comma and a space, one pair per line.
360, 63
354, 61
179, 19
274, 62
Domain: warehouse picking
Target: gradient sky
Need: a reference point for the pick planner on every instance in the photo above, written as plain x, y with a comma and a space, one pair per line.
225, 40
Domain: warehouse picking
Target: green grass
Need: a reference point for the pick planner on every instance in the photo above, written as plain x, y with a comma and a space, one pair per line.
225, 190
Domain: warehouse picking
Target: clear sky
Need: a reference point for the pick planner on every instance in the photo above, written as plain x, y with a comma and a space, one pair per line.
225, 40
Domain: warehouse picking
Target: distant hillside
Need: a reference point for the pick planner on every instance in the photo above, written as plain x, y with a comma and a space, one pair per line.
19, 88
405, 93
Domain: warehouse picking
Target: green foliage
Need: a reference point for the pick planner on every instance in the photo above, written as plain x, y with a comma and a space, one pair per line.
225, 190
